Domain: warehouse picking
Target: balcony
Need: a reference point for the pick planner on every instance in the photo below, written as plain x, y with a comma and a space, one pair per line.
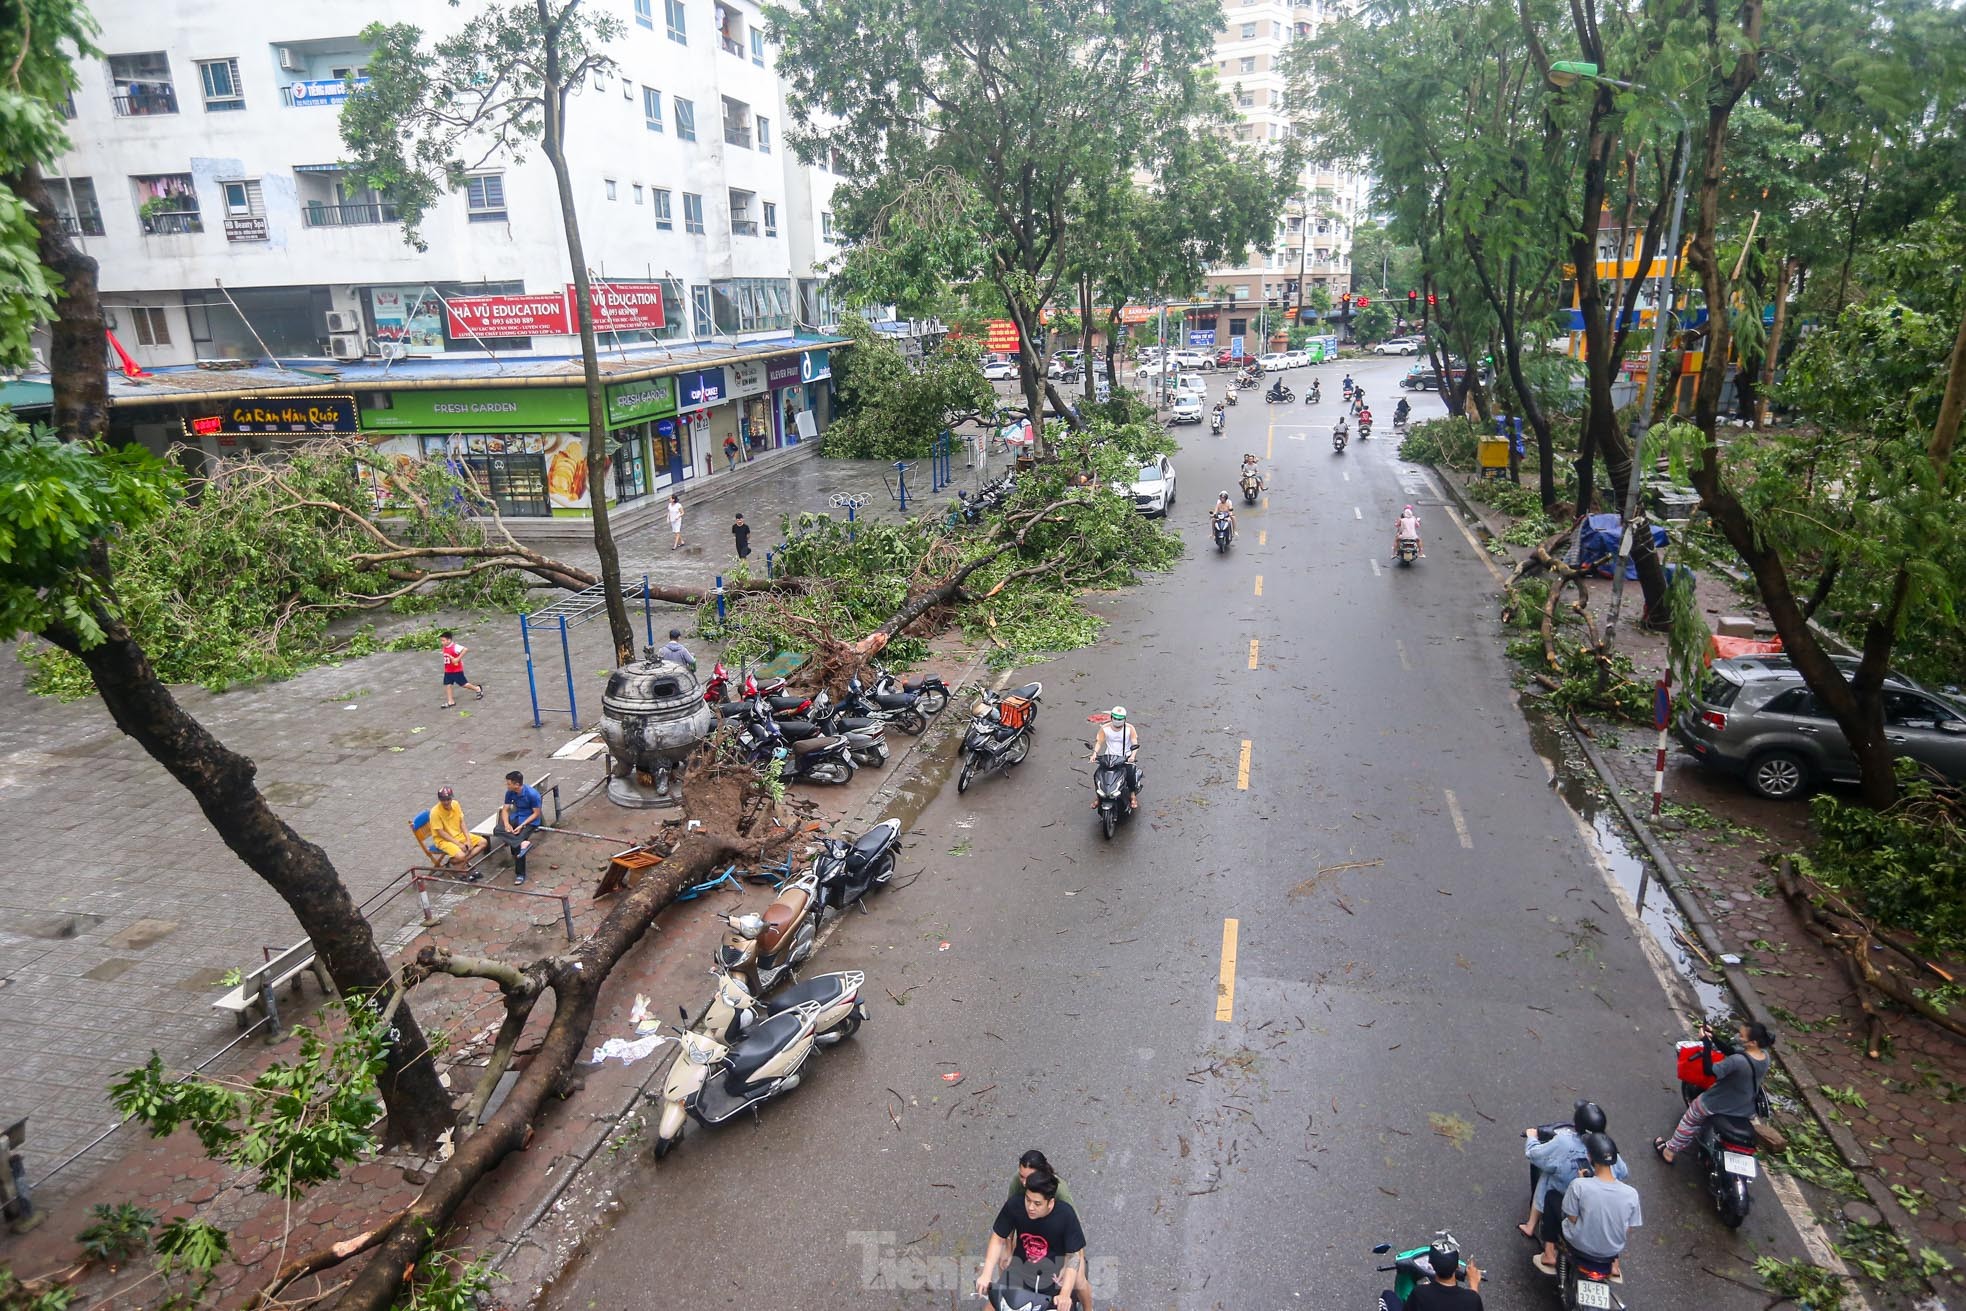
172, 223
743, 227
88, 225
246, 227
146, 101
348, 216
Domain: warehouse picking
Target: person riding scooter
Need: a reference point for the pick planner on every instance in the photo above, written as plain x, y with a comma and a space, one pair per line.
1341, 429
1222, 506
1444, 1292
1315, 395
1365, 422
1400, 412
1599, 1211
1119, 738
1407, 528
1348, 386
1250, 469
1217, 417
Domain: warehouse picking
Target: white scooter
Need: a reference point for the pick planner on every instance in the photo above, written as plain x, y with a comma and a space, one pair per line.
733, 1012
713, 1082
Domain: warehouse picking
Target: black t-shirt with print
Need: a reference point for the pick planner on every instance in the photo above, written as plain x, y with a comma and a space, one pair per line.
1044, 1242
1442, 1297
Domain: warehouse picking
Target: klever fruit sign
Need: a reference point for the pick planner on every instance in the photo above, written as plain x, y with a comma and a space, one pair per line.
543, 315
625, 306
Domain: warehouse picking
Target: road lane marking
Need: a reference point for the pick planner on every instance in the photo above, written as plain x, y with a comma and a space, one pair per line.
1225, 983
1259, 584
1357, 513
1460, 824
1375, 565
1346, 476
1252, 653
1242, 768
1404, 663
1262, 537
1266, 502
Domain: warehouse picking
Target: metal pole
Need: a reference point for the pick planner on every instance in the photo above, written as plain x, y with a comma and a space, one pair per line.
566, 916
851, 535
767, 564
720, 599
1642, 421
532, 683
648, 615
901, 483
1662, 715
423, 900
566, 658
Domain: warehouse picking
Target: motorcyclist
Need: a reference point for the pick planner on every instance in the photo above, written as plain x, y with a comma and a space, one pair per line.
1358, 399
1224, 506
1556, 1155
1401, 411
1348, 386
1407, 527
1340, 429
1219, 415
1250, 469
1119, 738
1037, 1230
1316, 393
1364, 420
1599, 1210
1445, 1292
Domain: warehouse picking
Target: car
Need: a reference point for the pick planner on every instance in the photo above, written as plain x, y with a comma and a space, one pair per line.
1398, 346
1000, 370
1187, 409
1420, 377
1274, 362
1753, 716
1154, 487
1064, 369
1194, 387
1225, 358
1200, 361
1299, 359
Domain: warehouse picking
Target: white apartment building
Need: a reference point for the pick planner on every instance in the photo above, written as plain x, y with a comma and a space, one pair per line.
241, 260
1312, 244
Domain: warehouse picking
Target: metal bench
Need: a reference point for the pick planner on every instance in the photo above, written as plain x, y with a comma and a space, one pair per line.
258, 986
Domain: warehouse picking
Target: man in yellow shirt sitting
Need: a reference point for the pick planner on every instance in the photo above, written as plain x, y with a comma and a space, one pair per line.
455, 844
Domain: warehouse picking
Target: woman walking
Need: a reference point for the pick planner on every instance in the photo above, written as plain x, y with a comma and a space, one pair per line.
675, 521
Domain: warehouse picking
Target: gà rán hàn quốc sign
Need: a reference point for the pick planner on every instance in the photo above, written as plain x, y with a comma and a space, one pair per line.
280, 414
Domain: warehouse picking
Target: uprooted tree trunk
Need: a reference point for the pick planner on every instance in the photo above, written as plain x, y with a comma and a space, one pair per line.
574, 980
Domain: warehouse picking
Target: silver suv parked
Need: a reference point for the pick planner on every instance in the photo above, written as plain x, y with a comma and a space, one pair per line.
1754, 716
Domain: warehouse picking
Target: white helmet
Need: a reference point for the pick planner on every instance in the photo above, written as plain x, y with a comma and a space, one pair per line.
1119, 714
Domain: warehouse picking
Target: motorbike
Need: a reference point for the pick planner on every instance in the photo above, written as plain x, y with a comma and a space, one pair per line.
1358, 403
1726, 1144
932, 691
1364, 428
1021, 1288
1215, 423
1231, 397
1348, 390
765, 949
1248, 379
999, 735
902, 709
847, 871
1409, 551
1410, 1269
733, 1011
712, 1081
1112, 784
1219, 524
1583, 1283
821, 759
1279, 394
1338, 439
866, 739
1252, 487
1316, 394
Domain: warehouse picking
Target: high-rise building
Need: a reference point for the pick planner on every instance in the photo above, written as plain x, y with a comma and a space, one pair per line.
243, 261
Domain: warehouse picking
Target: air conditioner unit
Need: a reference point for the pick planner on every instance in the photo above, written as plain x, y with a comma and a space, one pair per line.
290, 61
347, 347
393, 350
342, 321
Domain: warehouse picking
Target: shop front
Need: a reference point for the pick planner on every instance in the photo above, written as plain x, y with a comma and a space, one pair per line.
643, 460
798, 389
709, 422
750, 391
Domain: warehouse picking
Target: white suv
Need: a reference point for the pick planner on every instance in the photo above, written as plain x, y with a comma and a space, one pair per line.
1200, 361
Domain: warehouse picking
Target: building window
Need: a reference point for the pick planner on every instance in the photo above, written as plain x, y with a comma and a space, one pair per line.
764, 135
771, 219
1245, 99
692, 213
167, 205
741, 222
751, 304
220, 80
758, 47
245, 213
730, 30
651, 109
140, 85
737, 123
484, 198
673, 15
826, 224
600, 79
610, 182
645, 13
1249, 63
153, 326
664, 220
76, 207
627, 90
1249, 31
638, 193
685, 119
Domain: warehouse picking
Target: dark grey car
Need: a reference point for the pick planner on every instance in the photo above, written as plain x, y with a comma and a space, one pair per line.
1754, 717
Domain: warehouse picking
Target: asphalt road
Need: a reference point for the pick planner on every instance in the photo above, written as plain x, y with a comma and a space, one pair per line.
1426, 958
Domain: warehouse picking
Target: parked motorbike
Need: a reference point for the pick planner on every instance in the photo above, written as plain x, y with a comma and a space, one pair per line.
1252, 487
999, 734
934, 693
1279, 394
712, 1081
902, 709
1726, 1144
1219, 524
1409, 551
1112, 784
734, 1011
866, 739
820, 759
1411, 1268
765, 949
847, 871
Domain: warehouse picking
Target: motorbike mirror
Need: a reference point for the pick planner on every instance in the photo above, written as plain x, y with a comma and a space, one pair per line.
1380, 1249
683, 1011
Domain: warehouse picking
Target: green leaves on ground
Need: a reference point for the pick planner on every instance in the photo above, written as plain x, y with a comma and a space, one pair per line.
1906, 865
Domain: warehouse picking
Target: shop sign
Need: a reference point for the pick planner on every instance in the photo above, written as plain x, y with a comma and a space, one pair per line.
485, 409
1201, 338
700, 390
280, 414
999, 335
322, 91
814, 365
747, 378
785, 371
1135, 314
630, 401
540, 315
624, 306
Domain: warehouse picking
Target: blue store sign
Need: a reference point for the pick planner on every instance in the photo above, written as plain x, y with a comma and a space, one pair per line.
1201, 337
700, 390
814, 365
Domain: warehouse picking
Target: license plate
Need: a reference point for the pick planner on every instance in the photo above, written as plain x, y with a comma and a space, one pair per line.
1741, 1164
1593, 1294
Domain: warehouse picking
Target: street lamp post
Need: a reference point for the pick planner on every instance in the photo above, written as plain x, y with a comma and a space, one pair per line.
1566, 73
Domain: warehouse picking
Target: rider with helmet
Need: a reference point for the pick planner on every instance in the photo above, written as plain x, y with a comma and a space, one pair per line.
1407, 528
1599, 1210
1119, 738
1224, 506
1557, 1155
1445, 1292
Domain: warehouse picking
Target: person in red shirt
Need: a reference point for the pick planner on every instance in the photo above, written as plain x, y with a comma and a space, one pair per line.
454, 672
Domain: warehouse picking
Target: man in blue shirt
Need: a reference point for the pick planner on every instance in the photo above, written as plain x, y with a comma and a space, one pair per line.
518, 819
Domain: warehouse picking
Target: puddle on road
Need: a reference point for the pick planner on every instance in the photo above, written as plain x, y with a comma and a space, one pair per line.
1579, 787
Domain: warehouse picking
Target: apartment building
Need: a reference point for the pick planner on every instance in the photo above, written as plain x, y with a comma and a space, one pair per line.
244, 266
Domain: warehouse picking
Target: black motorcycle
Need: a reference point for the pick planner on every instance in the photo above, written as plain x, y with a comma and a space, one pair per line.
932, 691
848, 871
1224, 531
902, 709
999, 734
1112, 783
866, 738
1279, 394
820, 759
1338, 439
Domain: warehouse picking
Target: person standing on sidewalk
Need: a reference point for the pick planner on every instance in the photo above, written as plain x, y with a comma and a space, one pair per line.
518, 819
454, 672
730, 452
675, 521
741, 532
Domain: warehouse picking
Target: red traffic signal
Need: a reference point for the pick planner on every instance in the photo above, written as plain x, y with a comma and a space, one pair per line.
1363, 301
1430, 298
1345, 299
1412, 297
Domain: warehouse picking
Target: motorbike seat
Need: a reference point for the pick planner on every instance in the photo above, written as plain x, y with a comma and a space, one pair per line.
758, 1046
786, 702
807, 746
1733, 1129
798, 729
1028, 692
871, 842
824, 989
783, 915
894, 700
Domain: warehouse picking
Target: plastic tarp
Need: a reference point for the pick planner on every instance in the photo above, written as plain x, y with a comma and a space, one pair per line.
1599, 541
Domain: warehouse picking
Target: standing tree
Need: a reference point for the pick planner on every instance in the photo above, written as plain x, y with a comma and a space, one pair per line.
500, 83
64, 495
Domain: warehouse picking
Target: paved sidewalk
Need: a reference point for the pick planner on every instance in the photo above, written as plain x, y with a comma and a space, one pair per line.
120, 909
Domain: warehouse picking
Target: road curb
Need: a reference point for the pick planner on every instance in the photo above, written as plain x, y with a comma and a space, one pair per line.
1741, 984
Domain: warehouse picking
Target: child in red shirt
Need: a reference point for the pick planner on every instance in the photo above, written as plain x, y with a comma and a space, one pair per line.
454, 672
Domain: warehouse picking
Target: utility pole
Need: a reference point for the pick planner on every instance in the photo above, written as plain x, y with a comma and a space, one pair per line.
1303, 251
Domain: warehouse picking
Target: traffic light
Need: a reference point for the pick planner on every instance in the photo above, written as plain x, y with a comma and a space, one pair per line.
1363, 301
1412, 301
1345, 301
1430, 298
